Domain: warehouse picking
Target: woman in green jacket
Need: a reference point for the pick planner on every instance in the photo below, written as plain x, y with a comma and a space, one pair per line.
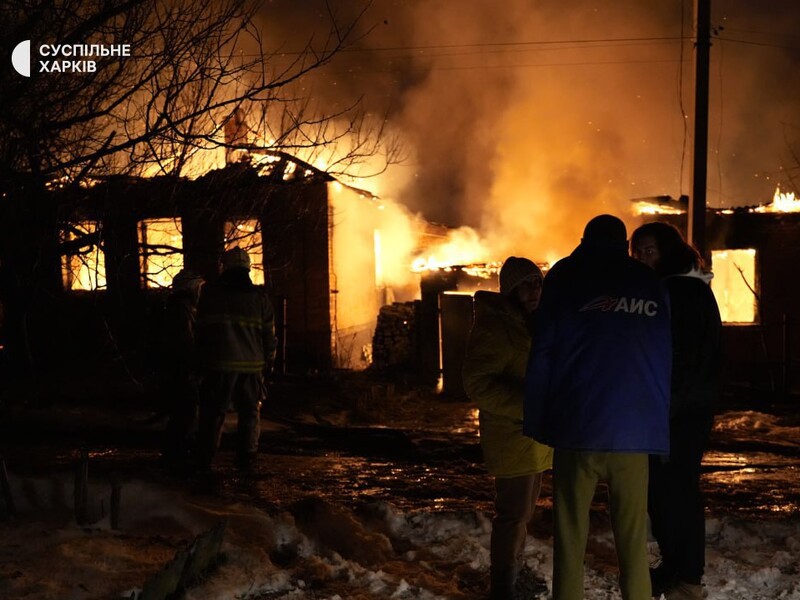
494, 373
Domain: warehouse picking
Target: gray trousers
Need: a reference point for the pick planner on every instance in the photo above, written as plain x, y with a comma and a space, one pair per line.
219, 392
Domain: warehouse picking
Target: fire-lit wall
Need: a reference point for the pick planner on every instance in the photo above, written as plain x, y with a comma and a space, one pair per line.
763, 355
766, 354
296, 250
354, 218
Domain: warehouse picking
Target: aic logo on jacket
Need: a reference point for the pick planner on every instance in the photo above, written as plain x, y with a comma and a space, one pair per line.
633, 306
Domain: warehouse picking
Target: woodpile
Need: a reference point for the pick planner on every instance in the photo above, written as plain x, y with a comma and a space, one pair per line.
394, 343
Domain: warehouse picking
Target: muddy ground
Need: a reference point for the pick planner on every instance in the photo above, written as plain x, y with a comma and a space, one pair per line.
356, 438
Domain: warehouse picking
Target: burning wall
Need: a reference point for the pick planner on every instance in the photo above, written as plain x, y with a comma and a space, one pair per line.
754, 254
331, 255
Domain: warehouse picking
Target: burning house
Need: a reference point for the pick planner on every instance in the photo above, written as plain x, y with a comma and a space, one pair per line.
753, 252
314, 243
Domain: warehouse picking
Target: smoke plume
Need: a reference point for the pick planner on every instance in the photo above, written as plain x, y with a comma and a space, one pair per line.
524, 119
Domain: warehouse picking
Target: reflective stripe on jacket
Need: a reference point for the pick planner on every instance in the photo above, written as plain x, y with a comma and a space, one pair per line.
235, 326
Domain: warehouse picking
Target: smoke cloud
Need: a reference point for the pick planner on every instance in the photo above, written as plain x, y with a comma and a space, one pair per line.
525, 119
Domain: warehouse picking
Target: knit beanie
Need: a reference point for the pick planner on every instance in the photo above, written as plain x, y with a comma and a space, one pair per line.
235, 258
514, 271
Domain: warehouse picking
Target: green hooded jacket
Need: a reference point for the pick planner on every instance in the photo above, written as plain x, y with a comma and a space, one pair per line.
494, 375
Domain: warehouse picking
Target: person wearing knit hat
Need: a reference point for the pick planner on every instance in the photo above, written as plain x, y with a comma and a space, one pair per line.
494, 369
516, 271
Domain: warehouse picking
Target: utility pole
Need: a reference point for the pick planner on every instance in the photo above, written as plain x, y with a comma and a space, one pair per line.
697, 201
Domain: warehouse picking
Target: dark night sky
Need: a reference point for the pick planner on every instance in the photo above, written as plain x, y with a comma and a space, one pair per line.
574, 103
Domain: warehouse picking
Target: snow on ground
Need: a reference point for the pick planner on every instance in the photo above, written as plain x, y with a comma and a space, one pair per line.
319, 545
320, 550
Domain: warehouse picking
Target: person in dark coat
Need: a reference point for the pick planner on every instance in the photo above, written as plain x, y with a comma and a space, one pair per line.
677, 514
178, 364
236, 347
597, 391
494, 379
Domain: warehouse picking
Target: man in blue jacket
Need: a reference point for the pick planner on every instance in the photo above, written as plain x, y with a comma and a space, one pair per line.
597, 391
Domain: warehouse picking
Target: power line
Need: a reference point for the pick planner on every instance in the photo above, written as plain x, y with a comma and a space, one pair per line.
520, 66
764, 44
509, 44
567, 45
768, 33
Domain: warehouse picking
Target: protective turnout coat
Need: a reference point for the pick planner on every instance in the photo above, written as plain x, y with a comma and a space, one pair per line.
235, 326
494, 370
599, 372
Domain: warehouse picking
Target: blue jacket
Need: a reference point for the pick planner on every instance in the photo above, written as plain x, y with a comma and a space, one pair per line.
598, 376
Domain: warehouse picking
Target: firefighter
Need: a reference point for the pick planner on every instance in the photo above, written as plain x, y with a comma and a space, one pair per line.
494, 370
236, 347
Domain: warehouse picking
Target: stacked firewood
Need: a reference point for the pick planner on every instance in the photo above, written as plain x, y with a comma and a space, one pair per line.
393, 345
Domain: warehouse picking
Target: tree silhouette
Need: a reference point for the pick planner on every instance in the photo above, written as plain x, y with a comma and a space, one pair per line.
198, 86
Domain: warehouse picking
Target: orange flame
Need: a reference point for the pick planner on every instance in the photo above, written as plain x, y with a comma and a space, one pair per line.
650, 208
461, 246
782, 202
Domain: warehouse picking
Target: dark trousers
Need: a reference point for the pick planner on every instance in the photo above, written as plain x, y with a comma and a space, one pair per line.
181, 395
219, 392
515, 501
675, 504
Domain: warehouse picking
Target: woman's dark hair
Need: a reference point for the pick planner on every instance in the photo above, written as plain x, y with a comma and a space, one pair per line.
676, 255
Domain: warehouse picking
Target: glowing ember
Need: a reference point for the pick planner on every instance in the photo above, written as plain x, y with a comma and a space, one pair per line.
782, 202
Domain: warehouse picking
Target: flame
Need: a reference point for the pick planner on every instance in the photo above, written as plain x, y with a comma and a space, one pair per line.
782, 202
649, 208
461, 246
484, 271
551, 258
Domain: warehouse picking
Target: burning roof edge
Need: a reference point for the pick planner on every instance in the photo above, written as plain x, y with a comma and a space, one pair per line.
273, 166
667, 205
